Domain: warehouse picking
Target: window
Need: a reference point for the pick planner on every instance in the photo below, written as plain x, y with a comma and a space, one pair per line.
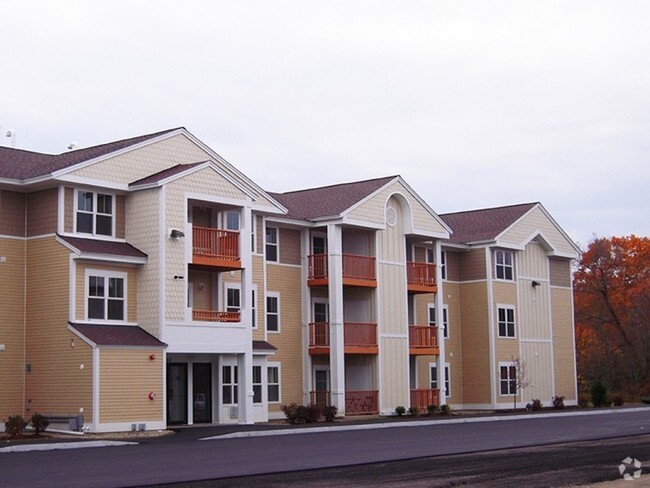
253, 310
273, 313
443, 265
445, 319
232, 220
273, 383
233, 299
506, 320
94, 213
504, 266
105, 295
257, 384
433, 378
508, 379
271, 244
229, 385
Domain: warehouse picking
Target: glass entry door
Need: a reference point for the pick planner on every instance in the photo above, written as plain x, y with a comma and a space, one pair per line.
202, 391
176, 393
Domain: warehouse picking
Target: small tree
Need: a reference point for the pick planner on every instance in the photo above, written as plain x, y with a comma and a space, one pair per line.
521, 380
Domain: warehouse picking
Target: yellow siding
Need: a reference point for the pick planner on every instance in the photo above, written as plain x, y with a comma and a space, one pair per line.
472, 265
394, 370
560, 272
563, 344
539, 369
126, 376
453, 345
258, 282
68, 210
475, 342
289, 246
60, 381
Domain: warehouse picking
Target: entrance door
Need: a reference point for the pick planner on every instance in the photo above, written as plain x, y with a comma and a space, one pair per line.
176, 393
202, 391
321, 387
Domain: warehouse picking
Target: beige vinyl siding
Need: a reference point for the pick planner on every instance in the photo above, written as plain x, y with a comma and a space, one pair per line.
453, 345
287, 282
41, 209
258, 282
143, 231
60, 381
533, 222
202, 290
12, 328
12, 209
394, 370
563, 343
560, 272
452, 265
472, 265
532, 262
475, 342
120, 216
289, 240
68, 209
539, 371
131, 287
123, 394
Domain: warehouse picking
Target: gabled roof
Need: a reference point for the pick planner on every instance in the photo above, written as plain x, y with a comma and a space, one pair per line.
483, 224
164, 174
96, 246
19, 164
328, 201
116, 335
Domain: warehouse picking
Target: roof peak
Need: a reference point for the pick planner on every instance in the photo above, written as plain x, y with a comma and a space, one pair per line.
337, 185
498, 207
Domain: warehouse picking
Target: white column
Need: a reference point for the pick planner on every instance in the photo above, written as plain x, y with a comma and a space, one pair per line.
245, 360
245, 386
337, 346
307, 372
438, 300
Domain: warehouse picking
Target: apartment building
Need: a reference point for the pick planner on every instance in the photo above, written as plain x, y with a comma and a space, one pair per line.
147, 282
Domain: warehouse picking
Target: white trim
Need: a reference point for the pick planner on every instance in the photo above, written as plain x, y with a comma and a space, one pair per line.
102, 273
278, 365
394, 336
60, 214
506, 364
276, 244
95, 212
276, 295
515, 321
212, 198
96, 385
126, 426
491, 324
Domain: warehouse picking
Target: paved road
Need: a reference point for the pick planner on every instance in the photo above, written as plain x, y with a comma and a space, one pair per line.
182, 458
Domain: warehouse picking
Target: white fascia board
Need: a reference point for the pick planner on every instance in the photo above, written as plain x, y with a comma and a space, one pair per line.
428, 233
277, 210
283, 221
207, 197
92, 182
81, 336
456, 245
509, 245
113, 258
362, 223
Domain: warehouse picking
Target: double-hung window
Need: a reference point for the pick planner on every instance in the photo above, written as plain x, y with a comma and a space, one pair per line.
94, 213
504, 265
233, 299
433, 378
508, 379
273, 383
105, 295
257, 384
432, 319
506, 321
271, 244
229, 385
273, 312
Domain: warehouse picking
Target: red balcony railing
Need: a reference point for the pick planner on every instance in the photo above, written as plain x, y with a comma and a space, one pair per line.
319, 334
423, 397
357, 269
423, 337
214, 316
359, 338
217, 244
320, 398
361, 402
360, 334
317, 266
421, 276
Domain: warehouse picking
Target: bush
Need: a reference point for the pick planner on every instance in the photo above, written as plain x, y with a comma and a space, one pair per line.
432, 409
558, 402
39, 423
645, 400
329, 412
301, 414
400, 410
312, 413
583, 400
291, 413
445, 409
14, 425
415, 411
536, 406
617, 400
599, 395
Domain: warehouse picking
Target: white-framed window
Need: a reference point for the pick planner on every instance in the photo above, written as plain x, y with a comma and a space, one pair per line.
257, 384
253, 234
318, 243
507, 379
229, 384
506, 320
271, 242
273, 382
231, 220
273, 312
94, 213
443, 264
105, 295
233, 298
433, 378
504, 265
432, 318
253, 309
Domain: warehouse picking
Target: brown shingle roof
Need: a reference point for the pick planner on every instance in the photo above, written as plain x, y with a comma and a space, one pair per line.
117, 335
95, 246
263, 346
483, 224
328, 200
22, 165
166, 173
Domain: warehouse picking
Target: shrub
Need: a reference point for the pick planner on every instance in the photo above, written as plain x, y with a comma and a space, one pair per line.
445, 409
558, 402
329, 412
291, 412
400, 410
311, 413
432, 409
39, 423
645, 400
599, 395
583, 400
617, 400
14, 425
415, 411
536, 405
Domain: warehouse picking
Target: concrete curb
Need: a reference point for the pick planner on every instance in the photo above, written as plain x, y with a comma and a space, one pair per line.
64, 445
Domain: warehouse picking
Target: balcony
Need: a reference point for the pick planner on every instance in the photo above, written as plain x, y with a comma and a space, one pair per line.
360, 402
421, 277
358, 338
215, 316
357, 270
215, 247
423, 340
423, 397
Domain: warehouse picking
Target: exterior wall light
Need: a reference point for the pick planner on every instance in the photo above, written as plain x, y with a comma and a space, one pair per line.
176, 234
535, 283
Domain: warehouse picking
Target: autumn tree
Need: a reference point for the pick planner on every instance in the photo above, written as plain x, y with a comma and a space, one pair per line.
612, 311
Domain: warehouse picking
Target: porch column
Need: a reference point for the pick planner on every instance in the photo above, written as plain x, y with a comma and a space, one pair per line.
437, 250
337, 346
245, 386
305, 246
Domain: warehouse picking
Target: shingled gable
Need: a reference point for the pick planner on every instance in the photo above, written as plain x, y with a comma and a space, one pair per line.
116, 335
17, 164
100, 247
328, 201
486, 224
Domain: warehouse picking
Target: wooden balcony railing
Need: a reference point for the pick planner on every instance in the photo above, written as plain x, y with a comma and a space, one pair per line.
357, 334
423, 339
423, 397
320, 398
358, 338
319, 334
357, 270
215, 316
362, 402
215, 247
421, 277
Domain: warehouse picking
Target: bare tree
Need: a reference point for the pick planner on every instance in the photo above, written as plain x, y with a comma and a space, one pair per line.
520, 380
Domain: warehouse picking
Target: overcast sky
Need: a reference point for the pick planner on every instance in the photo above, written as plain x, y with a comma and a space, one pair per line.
474, 103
